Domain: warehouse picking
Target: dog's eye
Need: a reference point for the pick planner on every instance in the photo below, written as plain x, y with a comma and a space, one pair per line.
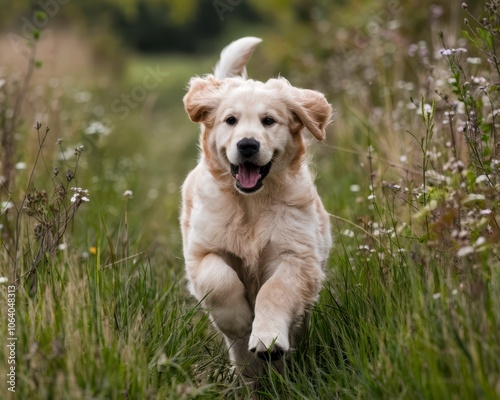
230, 120
268, 121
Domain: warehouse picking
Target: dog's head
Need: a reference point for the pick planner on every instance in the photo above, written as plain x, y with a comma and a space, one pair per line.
253, 130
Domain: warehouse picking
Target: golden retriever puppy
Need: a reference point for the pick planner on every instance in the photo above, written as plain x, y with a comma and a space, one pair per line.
255, 233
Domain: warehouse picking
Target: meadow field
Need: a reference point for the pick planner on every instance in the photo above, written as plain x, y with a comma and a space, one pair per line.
95, 147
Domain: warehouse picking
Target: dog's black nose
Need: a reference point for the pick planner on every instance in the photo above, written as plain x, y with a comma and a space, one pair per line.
248, 147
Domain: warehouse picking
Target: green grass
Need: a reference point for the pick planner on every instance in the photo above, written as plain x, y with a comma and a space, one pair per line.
128, 331
401, 316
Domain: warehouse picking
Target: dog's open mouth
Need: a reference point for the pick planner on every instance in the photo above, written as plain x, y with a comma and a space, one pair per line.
249, 176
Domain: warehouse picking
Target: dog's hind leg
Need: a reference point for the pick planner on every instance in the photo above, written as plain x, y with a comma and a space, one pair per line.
246, 363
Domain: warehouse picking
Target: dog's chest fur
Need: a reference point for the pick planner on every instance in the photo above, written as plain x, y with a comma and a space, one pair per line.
250, 236
246, 230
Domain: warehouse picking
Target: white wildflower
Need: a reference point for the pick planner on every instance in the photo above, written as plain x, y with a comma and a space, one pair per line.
427, 109
348, 233
81, 195
460, 107
128, 193
479, 80
436, 296
5, 205
436, 177
482, 178
21, 165
480, 241
473, 60
465, 251
486, 211
355, 188
3, 279
391, 186
96, 128
454, 292
439, 82
403, 159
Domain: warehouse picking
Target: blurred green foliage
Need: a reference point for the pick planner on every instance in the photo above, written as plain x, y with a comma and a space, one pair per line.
194, 26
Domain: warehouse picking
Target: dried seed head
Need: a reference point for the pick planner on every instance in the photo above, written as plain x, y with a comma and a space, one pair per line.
69, 175
60, 192
38, 231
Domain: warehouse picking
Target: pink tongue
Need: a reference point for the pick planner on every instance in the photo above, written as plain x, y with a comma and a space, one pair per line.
248, 175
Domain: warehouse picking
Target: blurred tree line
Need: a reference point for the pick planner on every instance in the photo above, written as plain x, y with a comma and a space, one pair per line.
143, 25
196, 25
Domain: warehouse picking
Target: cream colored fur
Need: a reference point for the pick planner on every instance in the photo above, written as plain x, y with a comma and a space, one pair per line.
254, 260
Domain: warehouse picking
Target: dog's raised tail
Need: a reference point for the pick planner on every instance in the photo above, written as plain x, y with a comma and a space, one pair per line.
235, 56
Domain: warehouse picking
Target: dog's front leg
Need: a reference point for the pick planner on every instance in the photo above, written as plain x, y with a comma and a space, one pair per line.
281, 301
217, 285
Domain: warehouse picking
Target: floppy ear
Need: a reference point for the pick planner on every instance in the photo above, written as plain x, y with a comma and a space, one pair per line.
312, 110
202, 98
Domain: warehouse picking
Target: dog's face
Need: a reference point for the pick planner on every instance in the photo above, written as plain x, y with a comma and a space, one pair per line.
252, 130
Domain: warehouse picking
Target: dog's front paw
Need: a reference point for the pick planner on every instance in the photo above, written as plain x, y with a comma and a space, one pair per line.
269, 347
